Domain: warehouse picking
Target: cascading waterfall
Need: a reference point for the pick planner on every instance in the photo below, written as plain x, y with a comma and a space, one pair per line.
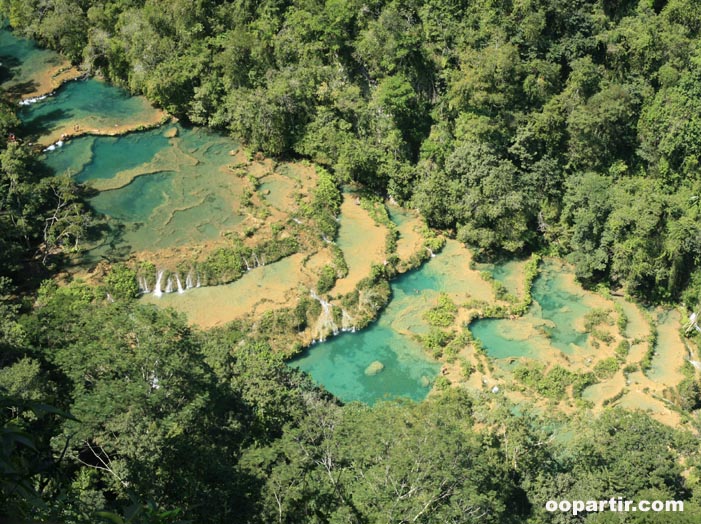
55, 146
143, 285
30, 101
157, 289
325, 323
347, 322
431, 252
171, 284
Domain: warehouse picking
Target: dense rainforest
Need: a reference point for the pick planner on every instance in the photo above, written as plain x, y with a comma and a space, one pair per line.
569, 127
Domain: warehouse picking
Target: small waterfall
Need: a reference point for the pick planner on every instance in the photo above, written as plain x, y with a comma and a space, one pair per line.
188, 280
143, 285
30, 101
180, 285
430, 252
258, 264
325, 323
248, 268
198, 281
55, 146
169, 285
347, 322
157, 289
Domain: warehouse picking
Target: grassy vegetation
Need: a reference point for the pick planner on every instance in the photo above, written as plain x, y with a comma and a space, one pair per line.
552, 384
621, 320
606, 368
646, 363
443, 314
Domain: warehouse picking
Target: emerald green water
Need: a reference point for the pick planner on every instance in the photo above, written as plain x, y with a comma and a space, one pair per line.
398, 215
552, 321
339, 364
501, 341
137, 201
155, 191
90, 157
22, 62
88, 103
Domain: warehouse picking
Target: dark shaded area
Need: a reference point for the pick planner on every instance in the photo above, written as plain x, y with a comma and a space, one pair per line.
44, 124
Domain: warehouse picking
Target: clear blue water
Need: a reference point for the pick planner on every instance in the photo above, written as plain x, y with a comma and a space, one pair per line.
552, 320
21, 61
90, 158
339, 364
136, 201
89, 103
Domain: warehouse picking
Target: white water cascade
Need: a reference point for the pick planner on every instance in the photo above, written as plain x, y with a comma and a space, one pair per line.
180, 285
30, 101
143, 285
188, 280
157, 289
347, 322
325, 323
169, 285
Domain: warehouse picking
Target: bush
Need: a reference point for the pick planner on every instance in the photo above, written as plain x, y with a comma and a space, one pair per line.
622, 350
622, 321
600, 334
595, 317
443, 314
606, 368
689, 394
327, 279
467, 368
436, 340
121, 283
442, 383
552, 385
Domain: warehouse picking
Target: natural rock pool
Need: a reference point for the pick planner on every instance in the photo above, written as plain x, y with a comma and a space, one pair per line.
341, 363
159, 189
555, 319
